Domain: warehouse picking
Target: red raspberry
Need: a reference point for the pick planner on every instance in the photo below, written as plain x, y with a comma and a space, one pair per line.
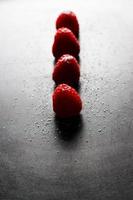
68, 20
65, 42
66, 101
66, 70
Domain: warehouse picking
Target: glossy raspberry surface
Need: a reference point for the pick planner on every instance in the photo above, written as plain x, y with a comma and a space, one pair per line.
68, 20
65, 42
66, 70
66, 101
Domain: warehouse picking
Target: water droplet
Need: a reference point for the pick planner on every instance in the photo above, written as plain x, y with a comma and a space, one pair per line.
100, 130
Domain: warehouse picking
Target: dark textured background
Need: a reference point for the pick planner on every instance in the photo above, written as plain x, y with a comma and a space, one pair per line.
42, 158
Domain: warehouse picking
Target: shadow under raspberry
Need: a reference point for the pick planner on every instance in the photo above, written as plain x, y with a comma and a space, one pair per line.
68, 129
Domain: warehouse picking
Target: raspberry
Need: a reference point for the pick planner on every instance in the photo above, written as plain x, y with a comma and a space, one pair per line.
65, 42
68, 20
66, 70
66, 101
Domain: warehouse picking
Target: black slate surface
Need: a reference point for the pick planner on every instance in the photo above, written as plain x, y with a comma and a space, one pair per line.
40, 156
